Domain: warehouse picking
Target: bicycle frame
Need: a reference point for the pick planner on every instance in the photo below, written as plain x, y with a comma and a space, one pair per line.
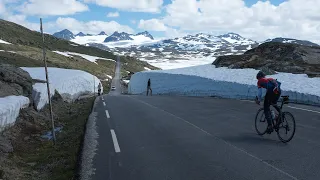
279, 118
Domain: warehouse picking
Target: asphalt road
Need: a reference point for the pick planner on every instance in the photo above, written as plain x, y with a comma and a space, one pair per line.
192, 138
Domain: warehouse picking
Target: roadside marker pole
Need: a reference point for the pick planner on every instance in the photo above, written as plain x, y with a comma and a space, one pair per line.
48, 86
94, 87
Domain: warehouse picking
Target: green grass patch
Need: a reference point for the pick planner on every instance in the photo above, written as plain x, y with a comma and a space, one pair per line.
59, 162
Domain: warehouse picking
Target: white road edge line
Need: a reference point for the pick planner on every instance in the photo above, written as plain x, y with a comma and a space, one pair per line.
104, 103
226, 142
304, 109
290, 107
115, 141
107, 113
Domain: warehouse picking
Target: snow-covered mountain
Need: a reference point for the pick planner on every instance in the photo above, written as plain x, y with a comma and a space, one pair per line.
116, 36
81, 34
184, 51
176, 52
292, 41
64, 34
146, 34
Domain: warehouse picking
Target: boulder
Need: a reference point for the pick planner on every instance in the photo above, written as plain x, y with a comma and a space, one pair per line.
14, 81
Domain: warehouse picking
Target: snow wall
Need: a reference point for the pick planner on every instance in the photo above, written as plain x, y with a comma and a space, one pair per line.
9, 109
70, 84
206, 80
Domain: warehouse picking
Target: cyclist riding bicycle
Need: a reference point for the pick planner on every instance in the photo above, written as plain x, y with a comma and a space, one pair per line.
271, 98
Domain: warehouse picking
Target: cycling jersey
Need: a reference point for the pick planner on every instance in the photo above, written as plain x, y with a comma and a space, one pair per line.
270, 84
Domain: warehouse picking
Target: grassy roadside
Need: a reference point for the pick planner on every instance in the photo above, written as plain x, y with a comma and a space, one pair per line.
34, 157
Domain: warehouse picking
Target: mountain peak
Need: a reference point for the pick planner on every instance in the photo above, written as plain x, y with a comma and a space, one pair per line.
81, 34
64, 34
102, 33
116, 36
231, 35
146, 34
66, 31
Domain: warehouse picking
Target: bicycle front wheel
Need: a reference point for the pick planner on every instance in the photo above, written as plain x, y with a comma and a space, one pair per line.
287, 127
261, 123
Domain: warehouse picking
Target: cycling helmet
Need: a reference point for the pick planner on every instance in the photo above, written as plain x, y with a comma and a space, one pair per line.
260, 75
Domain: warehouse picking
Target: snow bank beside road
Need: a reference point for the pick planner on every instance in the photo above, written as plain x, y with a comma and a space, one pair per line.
69, 83
206, 80
9, 109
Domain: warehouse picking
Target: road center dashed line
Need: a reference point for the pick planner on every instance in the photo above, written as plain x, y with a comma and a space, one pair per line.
115, 141
104, 104
107, 113
218, 138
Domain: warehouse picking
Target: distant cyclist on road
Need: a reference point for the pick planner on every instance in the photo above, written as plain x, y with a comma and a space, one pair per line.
149, 87
272, 95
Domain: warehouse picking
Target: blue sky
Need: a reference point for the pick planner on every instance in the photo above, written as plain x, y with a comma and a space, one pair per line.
253, 19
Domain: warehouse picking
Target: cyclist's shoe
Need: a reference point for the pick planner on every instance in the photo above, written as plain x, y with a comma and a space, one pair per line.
269, 129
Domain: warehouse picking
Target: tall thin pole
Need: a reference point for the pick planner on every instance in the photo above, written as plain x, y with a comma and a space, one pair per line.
48, 86
94, 86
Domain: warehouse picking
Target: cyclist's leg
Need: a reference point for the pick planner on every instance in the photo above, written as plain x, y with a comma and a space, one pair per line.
267, 111
275, 98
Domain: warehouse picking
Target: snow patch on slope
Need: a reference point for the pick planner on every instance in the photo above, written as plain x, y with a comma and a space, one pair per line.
4, 42
137, 41
89, 39
69, 83
185, 61
206, 80
87, 57
9, 109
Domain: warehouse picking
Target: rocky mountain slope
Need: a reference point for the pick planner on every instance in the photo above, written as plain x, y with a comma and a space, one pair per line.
66, 34
293, 41
275, 56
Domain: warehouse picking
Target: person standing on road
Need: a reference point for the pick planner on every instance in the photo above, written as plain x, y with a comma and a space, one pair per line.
149, 87
99, 89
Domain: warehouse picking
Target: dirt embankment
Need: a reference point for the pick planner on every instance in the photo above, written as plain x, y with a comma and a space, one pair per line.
25, 153
280, 57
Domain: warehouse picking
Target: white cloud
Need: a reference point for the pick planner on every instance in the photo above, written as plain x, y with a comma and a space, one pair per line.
52, 7
22, 20
92, 27
292, 18
111, 14
133, 21
152, 25
153, 6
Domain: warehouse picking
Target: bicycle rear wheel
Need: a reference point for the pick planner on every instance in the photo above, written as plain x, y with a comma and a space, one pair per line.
287, 127
261, 123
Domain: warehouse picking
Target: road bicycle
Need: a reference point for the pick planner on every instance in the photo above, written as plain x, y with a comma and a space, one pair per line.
284, 123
